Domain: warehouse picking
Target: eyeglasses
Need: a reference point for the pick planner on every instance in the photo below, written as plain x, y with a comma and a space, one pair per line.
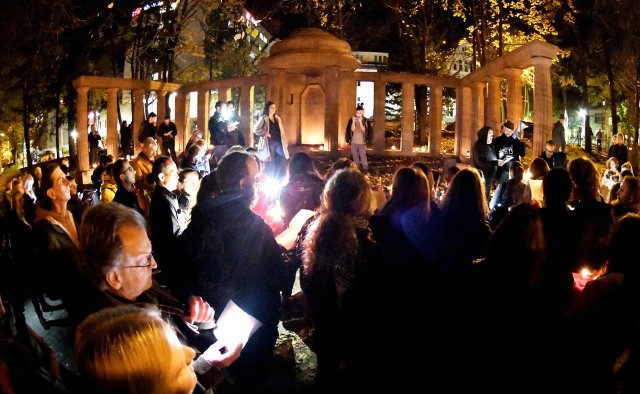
129, 169
148, 263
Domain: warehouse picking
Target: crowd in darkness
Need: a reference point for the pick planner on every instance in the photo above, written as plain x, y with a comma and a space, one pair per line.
448, 286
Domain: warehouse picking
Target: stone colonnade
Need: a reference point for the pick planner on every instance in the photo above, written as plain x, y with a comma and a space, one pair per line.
309, 95
139, 88
478, 95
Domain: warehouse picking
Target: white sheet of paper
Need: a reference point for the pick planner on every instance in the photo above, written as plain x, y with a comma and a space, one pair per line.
287, 238
235, 325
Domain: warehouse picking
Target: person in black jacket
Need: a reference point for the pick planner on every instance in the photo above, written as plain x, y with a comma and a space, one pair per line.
231, 254
508, 148
125, 177
147, 129
166, 219
167, 132
218, 130
484, 158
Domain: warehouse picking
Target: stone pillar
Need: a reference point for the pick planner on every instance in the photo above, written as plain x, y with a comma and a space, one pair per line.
408, 117
463, 133
245, 111
181, 120
332, 108
435, 119
113, 142
477, 108
542, 104
514, 95
492, 107
379, 114
161, 97
82, 109
138, 117
204, 96
225, 94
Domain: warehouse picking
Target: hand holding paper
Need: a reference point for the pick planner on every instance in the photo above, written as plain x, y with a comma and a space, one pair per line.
218, 359
235, 325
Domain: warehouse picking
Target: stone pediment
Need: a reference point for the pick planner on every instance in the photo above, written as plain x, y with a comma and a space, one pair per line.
307, 51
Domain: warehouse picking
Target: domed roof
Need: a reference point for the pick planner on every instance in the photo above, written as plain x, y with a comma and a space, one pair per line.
309, 49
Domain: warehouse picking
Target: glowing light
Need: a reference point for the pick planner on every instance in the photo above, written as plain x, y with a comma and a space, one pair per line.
393, 147
526, 176
74, 134
270, 187
586, 273
582, 112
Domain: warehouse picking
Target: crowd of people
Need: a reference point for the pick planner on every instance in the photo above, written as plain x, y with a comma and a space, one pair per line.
431, 289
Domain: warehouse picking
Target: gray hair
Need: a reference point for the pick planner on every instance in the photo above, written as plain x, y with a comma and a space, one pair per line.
100, 241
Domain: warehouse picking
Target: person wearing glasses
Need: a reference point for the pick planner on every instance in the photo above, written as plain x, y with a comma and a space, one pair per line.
554, 159
125, 177
118, 264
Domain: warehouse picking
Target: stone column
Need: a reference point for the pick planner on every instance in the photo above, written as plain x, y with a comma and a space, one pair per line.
204, 96
113, 142
245, 107
435, 119
379, 114
332, 108
408, 117
225, 94
161, 97
492, 107
463, 133
82, 109
477, 108
181, 120
138, 117
514, 95
542, 103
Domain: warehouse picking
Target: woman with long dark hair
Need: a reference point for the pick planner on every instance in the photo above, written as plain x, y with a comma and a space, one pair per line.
273, 143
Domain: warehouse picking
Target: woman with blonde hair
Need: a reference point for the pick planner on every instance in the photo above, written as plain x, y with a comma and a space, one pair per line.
132, 350
29, 198
610, 176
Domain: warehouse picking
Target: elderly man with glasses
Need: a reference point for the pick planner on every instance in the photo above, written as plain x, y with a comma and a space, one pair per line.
118, 264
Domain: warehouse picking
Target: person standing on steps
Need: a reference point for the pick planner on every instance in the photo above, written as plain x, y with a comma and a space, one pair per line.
358, 133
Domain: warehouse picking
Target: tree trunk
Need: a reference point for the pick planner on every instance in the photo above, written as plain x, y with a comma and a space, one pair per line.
612, 90
25, 123
422, 111
636, 114
57, 115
